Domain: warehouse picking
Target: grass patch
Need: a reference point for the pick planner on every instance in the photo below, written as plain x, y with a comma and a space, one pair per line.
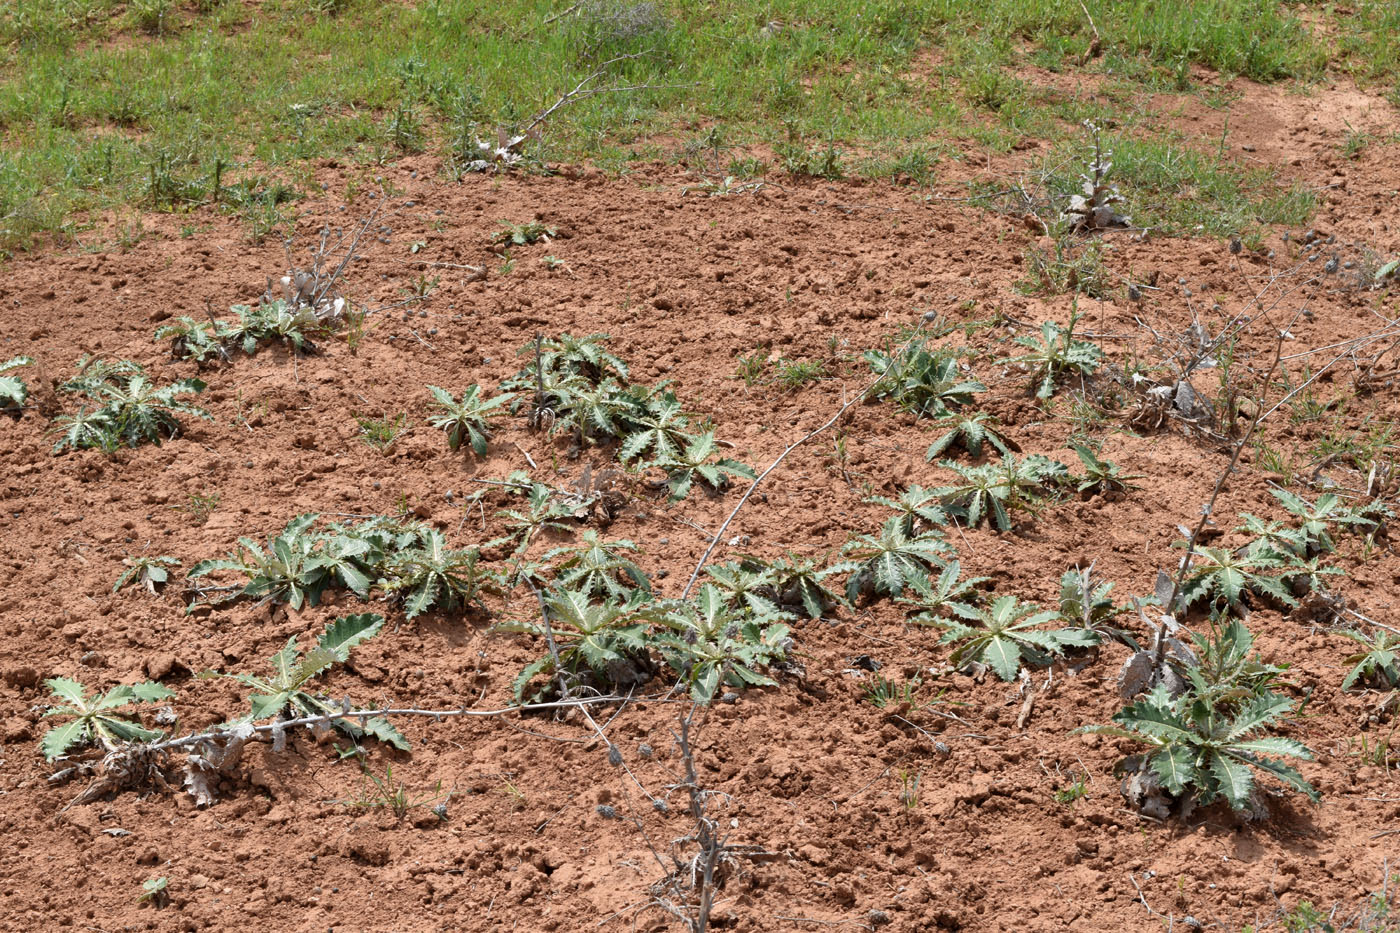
104, 104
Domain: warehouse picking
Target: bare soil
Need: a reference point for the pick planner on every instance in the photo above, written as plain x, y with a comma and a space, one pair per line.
810, 770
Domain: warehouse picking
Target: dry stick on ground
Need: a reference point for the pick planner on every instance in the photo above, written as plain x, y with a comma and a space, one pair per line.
714, 542
1208, 510
366, 714
714, 851
580, 91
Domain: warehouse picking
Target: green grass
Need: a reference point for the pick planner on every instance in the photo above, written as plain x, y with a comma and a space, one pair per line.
165, 105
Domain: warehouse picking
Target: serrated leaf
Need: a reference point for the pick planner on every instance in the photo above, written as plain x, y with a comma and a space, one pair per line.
128, 731
1288, 774
264, 706
531, 671
348, 631
59, 740
1176, 767
317, 660
1004, 657
380, 728
1233, 778
65, 689
1273, 745
151, 692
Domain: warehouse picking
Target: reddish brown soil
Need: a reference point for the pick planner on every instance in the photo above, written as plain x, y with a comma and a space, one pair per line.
811, 769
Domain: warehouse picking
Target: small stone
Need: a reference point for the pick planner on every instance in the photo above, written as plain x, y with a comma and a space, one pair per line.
606, 812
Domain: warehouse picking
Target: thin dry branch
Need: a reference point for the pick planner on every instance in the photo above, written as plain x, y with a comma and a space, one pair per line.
1209, 508
366, 714
714, 542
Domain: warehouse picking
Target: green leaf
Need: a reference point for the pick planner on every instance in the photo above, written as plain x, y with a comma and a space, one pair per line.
127, 731
265, 706
1004, 656
1273, 745
1260, 711
702, 688
531, 671
151, 692
1234, 779
57, 741
1288, 775
1149, 718
66, 689
284, 664
348, 631
1176, 766
380, 728
317, 660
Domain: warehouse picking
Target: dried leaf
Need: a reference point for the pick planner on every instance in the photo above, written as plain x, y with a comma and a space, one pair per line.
1136, 675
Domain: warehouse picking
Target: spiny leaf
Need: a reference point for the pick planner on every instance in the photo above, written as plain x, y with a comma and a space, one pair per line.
348, 631
59, 740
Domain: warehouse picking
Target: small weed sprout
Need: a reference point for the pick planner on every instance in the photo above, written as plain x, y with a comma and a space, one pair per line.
909, 789
95, 719
381, 433
1102, 475
296, 566
388, 794
1007, 635
154, 891
882, 692
200, 505
13, 391
751, 367
710, 643
1377, 662
1056, 353
746, 584
918, 509
603, 641
794, 374
523, 234
1072, 793
465, 419
150, 572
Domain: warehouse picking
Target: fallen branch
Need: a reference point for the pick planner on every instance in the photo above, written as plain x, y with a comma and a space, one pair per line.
366, 714
714, 542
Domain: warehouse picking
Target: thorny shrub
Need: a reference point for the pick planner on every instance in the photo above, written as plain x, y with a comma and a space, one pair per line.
127, 407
